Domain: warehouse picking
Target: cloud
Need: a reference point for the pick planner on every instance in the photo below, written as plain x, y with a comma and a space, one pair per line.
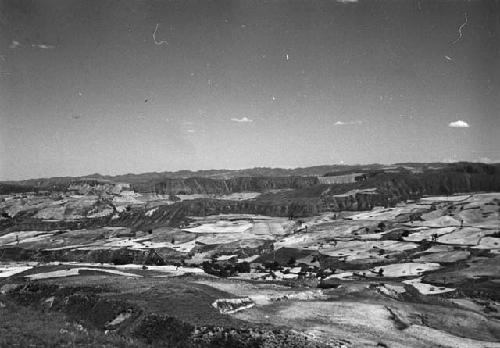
191, 131
347, 1
241, 120
14, 44
458, 124
343, 123
43, 47
407, 116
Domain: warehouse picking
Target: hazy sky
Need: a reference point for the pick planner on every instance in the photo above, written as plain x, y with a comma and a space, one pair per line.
85, 88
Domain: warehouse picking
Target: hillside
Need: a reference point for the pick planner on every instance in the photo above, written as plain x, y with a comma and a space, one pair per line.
227, 181
294, 196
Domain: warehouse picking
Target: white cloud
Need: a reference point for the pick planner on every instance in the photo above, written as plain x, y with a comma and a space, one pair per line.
43, 47
407, 116
15, 44
241, 120
191, 131
458, 124
347, 1
347, 123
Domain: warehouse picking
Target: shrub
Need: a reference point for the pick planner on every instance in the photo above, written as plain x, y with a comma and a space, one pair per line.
122, 257
243, 267
170, 331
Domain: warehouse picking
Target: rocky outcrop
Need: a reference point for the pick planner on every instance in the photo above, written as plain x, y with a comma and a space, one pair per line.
232, 305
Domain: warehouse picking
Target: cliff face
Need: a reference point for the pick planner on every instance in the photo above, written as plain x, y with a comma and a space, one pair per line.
354, 201
256, 179
400, 187
171, 215
390, 189
187, 186
219, 186
175, 214
308, 199
393, 188
304, 199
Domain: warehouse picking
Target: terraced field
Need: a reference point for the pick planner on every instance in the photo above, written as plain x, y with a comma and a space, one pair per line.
420, 274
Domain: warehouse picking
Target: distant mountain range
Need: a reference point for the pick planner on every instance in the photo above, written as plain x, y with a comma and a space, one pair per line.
273, 177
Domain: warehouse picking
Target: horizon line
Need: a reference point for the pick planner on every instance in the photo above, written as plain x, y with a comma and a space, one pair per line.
90, 176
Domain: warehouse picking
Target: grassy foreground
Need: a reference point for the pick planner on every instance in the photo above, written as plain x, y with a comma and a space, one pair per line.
22, 326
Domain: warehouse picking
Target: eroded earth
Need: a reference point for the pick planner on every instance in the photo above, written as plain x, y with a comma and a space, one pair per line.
422, 273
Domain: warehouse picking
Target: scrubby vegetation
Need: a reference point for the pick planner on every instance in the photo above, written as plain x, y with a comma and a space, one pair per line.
23, 326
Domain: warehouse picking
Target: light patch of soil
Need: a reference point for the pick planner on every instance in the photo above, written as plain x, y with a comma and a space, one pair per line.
427, 289
221, 227
8, 270
488, 243
24, 237
406, 269
444, 257
380, 214
120, 318
365, 249
428, 233
464, 236
75, 272
457, 198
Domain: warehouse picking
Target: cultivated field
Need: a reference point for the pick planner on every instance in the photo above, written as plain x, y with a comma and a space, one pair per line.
420, 274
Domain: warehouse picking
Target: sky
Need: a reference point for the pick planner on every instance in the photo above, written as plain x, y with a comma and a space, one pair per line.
128, 86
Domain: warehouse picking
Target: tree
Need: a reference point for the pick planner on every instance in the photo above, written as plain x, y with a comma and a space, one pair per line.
243, 267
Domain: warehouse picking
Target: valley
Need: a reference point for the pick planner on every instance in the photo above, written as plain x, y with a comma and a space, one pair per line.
374, 262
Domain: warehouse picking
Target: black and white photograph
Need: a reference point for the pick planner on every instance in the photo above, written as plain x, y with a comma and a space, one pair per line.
250, 173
